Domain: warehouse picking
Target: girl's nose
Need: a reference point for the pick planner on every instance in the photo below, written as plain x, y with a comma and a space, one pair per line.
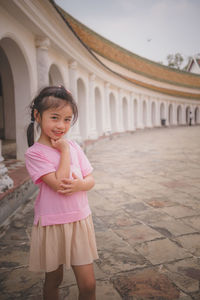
61, 124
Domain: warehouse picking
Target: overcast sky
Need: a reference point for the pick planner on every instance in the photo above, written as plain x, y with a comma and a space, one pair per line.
150, 28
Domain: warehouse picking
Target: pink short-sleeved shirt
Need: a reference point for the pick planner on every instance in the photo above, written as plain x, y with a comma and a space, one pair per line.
50, 206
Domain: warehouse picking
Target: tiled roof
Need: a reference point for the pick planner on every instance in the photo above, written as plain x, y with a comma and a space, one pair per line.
133, 62
164, 90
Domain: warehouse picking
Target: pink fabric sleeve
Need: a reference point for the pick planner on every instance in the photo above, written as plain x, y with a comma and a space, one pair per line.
84, 163
38, 165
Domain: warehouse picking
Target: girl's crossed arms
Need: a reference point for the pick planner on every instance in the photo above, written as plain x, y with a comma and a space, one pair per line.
60, 180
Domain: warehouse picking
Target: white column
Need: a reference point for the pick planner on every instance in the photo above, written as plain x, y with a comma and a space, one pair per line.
91, 109
131, 113
42, 46
136, 113
167, 112
140, 113
183, 119
198, 115
158, 112
117, 112
120, 112
5, 181
106, 109
174, 113
149, 113
75, 131
192, 114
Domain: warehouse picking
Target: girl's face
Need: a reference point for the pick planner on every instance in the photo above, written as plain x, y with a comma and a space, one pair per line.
55, 122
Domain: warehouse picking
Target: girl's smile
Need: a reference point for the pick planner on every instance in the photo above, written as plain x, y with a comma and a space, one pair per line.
54, 123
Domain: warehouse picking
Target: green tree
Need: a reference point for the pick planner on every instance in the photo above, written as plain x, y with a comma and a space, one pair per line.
175, 60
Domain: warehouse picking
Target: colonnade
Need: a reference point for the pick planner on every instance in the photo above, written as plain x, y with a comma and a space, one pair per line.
106, 106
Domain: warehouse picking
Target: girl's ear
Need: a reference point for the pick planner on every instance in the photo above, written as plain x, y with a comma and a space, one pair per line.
37, 115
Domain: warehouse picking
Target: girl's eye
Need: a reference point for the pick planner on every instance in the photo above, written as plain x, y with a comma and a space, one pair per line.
54, 118
68, 120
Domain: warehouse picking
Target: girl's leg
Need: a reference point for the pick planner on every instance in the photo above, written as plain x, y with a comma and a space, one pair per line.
51, 284
86, 281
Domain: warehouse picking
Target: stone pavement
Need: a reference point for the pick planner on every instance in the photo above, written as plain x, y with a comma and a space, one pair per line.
146, 211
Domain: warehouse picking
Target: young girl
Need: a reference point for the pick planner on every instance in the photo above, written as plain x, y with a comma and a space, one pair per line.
63, 231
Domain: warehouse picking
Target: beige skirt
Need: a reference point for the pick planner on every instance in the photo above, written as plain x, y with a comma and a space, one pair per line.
69, 244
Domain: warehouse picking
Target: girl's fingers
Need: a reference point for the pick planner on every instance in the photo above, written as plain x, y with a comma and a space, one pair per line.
65, 186
66, 181
63, 192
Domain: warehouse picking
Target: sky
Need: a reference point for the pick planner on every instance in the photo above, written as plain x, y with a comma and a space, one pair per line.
149, 28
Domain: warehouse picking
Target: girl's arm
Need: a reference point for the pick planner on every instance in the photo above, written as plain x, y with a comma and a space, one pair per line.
54, 179
70, 186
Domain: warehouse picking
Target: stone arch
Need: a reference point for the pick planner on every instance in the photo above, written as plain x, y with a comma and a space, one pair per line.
144, 113
82, 111
135, 109
162, 112
196, 115
113, 112
179, 115
98, 111
15, 92
170, 114
153, 113
55, 76
187, 114
125, 113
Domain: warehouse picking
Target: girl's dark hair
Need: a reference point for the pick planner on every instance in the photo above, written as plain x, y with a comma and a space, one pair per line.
50, 97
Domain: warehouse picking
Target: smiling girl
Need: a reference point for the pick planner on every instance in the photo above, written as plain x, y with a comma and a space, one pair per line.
63, 232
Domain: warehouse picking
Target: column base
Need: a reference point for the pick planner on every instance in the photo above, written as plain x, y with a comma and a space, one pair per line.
6, 182
93, 135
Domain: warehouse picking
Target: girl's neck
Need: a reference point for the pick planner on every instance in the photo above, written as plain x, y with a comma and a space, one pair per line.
45, 141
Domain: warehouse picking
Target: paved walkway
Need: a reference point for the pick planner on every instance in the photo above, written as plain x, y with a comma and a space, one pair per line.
146, 208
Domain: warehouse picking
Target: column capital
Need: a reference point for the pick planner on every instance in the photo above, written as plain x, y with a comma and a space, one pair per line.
107, 84
73, 65
92, 77
120, 92
137, 95
42, 42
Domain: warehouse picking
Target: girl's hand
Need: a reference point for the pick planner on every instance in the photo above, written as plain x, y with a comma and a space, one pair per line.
70, 186
61, 144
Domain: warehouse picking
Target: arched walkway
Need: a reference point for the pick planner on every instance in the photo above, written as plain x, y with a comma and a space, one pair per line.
179, 115
170, 114
98, 112
125, 113
55, 77
144, 109
196, 116
112, 104
187, 115
162, 112
15, 90
82, 108
153, 113
135, 116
